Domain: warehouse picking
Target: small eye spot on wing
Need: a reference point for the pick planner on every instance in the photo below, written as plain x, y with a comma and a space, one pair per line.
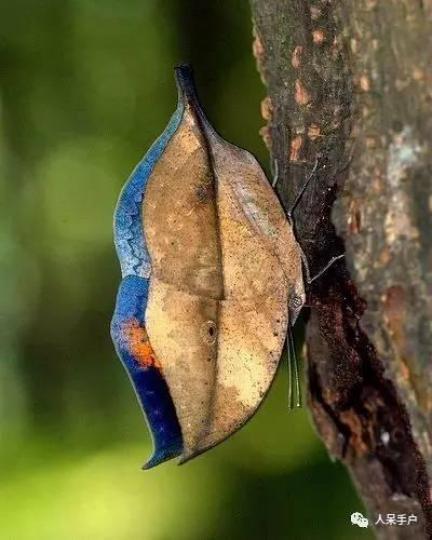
209, 332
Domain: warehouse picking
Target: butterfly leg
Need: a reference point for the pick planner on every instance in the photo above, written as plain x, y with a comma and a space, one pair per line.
302, 191
134, 349
290, 214
310, 279
294, 391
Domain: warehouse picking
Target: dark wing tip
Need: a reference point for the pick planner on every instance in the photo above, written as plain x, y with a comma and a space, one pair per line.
184, 74
160, 456
186, 87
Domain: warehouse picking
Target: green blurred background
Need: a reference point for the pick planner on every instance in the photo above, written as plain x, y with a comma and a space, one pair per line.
85, 87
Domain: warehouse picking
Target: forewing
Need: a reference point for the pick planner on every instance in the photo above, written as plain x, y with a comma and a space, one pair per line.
182, 233
224, 262
128, 329
260, 262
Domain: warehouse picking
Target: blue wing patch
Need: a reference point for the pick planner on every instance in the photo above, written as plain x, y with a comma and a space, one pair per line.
128, 324
132, 345
128, 233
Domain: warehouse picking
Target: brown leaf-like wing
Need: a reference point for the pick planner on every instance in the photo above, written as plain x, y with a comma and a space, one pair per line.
224, 262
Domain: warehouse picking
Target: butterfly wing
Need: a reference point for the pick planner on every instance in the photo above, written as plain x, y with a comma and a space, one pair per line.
224, 261
261, 268
134, 349
209, 261
181, 228
128, 329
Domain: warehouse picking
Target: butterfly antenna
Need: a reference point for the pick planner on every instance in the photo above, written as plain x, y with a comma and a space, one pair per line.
290, 376
294, 391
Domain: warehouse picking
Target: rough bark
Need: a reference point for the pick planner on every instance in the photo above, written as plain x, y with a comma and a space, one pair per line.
349, 86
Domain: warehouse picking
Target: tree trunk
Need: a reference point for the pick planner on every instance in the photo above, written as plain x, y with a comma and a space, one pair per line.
350, 89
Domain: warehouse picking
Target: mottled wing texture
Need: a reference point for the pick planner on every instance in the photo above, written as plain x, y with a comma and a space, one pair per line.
261, 268
224, 262
186, 283
209, 262
128, 328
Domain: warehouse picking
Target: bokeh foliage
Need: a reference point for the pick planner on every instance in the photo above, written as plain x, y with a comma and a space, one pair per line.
85, 87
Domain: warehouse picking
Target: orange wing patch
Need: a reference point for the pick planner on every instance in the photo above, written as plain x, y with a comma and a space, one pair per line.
139, 344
